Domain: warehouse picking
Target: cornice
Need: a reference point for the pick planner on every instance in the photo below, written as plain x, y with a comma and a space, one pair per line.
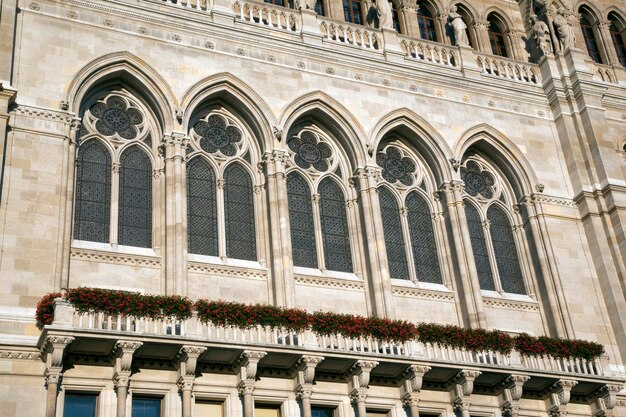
50, 115
424, 293
227, 271
511, 304
329, 282
114, 258
20, 354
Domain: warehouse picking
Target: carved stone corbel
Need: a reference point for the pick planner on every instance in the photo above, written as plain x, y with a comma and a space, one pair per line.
304, 381
512, 393
53, 350
248, 365
560, 396
123, 351
463, 388
187, 365
412, 387
606, 400
361, 374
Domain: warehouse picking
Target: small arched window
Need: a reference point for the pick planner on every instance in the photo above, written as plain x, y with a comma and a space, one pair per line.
334, 223
426, 23
135, 211
353, 11
93, 193
394, 236
618, 37
423, 244
497, 35
588, 30
239, 213
505, 251
319, 8
303, 247
395, 16
479, 247
202, 232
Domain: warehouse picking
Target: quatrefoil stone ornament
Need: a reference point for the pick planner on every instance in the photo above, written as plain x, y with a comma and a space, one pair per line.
309, 152
396, 167
115, 117
477, 182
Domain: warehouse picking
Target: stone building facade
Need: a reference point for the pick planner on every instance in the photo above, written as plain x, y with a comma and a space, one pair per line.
295, 154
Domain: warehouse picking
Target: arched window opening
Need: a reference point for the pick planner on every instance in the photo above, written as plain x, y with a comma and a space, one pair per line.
479, 248
135, 210
394, 236
423, 244
335, 234
202, 232
426, 23
497, 35
618, 36
589, 36
303, 247
395, 16
505, 251
353, 11
239, 214
93, 193
319, 8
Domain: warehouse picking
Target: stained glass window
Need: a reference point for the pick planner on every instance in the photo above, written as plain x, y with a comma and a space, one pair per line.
135, 210
423, 242
239, 214
479, 247
394, 238
301, 222
505, 251
201, 208
93, 193
334, 227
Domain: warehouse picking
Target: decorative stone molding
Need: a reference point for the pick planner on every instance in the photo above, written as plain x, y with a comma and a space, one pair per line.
361, 371
306, 368
248, 364
188, 357
43, 114
53, 350
512, 394
412, 385
329, 282
123, 352
552, 200
424, 293
463, 388
227, 271
511, 304
560, 396
115, 258
12, 354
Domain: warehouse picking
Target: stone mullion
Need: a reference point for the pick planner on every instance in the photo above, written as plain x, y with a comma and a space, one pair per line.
470, 285
65, 220
406, 231
317, 226
443, 252
221, 217
408, 14
175, 217
279, 225
259, 227
608, 49
356, 244
115, 203
376, 255
495, 273
513, 40
481, 30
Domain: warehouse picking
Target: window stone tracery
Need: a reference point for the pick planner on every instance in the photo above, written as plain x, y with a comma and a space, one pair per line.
310, 151
116, 117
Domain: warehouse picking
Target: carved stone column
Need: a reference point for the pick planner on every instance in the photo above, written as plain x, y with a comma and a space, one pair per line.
609, 52
53, 350
360, 383
512, 393
560, 396
248, 364
408, 15
442, 28
463, 387
481, 32
468, 280
376, 256
412, 387
282, 269
175, 254
124, 350
304, 385
188, 356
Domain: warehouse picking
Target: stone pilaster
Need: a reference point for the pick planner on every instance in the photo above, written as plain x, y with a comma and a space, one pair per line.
305, 379
463, 388
188, 356
248, 364
7, 97
53, 351
412, 387
512, 393
124, 350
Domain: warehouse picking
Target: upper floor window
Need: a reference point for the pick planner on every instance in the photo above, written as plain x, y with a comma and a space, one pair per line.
618, 36
491, 230
589, 36
409, 232
496, 35
426, 23
220, 190
318, 217
353, 11
114, 165
319, 8
80, 405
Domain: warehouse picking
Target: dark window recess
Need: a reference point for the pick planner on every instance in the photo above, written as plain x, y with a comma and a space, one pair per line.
301, 222
322, 411
201, 208
423, 241
505, 251
239, 211
394, 238
335, 232
590, 39
426, 24
496, 38
479, 247
80, 405
135, 210
93, 193
352, 11
618, 42
146, 407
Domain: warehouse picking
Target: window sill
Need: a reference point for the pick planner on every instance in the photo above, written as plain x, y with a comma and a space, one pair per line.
507, 296
111, 248
420, 285
216, 260
314, 272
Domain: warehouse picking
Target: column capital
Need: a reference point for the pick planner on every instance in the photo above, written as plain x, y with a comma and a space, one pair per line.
248, 364
188, 360
361, 373
463, 388
306, 368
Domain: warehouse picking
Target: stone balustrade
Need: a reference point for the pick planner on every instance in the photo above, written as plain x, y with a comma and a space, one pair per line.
265, 14
432, 52
350, 34
67, 318
507, 68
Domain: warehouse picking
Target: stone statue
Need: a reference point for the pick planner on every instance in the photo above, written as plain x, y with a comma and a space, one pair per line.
459, 27
306, 4
564, 29
541, 35
385, 18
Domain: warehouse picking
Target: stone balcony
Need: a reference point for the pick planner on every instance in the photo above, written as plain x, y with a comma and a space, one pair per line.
94, 339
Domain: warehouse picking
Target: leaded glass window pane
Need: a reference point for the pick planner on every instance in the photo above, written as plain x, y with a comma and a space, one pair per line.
301, 221
239, 212
135, 211
505, 251
423, 242
479, 247
201, 208
334, 227
394, 238
93, 193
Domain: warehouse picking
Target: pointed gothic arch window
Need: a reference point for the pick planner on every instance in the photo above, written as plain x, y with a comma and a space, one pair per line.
334, 224
135, 212
303, 249
423, 243
93, 193
587, 26
479, 247
617, 29
202, 231
394, 236
239, 213
497, 35
505, 251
